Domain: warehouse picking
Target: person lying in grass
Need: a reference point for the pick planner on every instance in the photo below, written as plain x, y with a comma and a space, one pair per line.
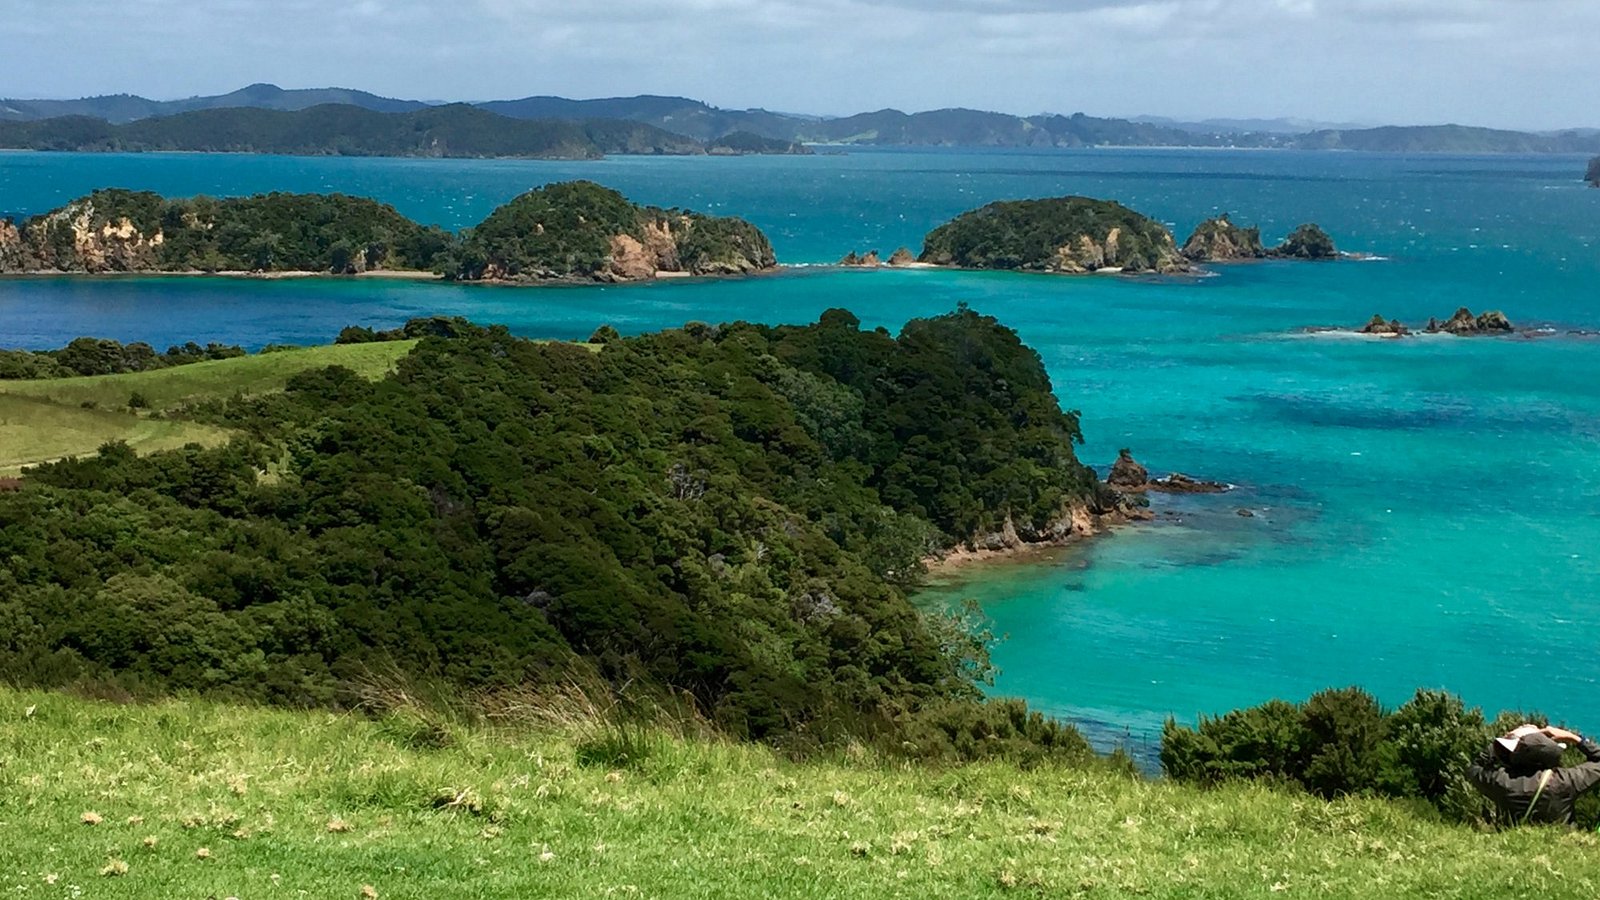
1521, 773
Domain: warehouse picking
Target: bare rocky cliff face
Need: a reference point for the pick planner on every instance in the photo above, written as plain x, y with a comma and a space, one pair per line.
666, 247
633, 259
1089, 255
13, 256
77, 239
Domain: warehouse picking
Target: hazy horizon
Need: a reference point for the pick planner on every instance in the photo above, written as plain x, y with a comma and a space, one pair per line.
1524, 65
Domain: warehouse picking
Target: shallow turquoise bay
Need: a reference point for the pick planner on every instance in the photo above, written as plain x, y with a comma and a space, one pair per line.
1426, 510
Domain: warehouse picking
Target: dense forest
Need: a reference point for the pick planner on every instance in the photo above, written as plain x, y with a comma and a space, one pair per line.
569, 230
1063, 234
730, 514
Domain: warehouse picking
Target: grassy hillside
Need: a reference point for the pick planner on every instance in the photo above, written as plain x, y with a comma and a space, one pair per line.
191, 799
48, 419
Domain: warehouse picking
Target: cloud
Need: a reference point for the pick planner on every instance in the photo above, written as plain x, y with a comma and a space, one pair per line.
1514, 62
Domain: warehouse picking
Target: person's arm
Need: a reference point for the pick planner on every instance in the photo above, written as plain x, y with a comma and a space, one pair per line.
1487, 776
1583, 776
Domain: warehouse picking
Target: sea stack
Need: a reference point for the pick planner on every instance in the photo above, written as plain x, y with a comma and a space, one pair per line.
1593, 175
1308, 241
1219, 240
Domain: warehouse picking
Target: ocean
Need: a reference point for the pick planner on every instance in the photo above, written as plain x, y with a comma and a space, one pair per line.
1426, 511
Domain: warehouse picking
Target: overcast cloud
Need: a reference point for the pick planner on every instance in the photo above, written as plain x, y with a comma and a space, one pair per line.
1513, 63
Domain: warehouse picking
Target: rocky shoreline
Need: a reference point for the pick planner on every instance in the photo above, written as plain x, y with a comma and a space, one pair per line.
1127, 485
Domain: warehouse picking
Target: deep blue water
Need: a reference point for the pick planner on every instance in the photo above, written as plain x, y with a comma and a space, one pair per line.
1427, 510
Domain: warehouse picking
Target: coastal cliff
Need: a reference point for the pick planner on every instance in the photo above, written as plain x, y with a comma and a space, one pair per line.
582, 231
113, 231
1071, 235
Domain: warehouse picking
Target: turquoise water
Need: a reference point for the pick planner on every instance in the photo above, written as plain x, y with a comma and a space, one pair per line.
1427, 510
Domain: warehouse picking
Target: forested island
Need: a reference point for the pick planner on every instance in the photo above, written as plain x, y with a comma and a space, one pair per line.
1063, 234
454, 131
570, 231
733, 514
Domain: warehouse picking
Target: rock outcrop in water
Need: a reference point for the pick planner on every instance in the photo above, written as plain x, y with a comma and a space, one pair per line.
1219, 240
1070, 235
1308, 241
1390, 328
1129, 477
1126, 474
902, 257
1465, 324
1593, 175
1462, 324
854, 260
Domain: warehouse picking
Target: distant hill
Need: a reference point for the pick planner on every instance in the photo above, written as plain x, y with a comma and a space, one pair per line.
335, 130
676, 114
1289, 126
122, 108
1447, 138
886, 127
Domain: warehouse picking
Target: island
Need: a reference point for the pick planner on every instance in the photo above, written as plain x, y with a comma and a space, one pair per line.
118, 230
576, 231
583, 231
1219, 240
1069, 235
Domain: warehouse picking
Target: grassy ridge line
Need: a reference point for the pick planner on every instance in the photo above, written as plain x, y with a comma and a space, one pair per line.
313, 804
216, 379
46, 419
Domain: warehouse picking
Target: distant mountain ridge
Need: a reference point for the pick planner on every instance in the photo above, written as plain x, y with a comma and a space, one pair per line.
119, 109
341, 130
886, 127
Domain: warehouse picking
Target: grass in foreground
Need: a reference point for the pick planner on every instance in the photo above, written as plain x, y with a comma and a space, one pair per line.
52, 418
193, 799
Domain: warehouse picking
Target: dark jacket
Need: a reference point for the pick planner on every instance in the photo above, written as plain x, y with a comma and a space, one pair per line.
1513, 794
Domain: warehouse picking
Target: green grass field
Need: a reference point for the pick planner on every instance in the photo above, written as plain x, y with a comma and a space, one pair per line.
193, 799
47, 419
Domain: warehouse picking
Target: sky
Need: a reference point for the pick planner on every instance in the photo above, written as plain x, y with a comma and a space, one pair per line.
1507, 63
